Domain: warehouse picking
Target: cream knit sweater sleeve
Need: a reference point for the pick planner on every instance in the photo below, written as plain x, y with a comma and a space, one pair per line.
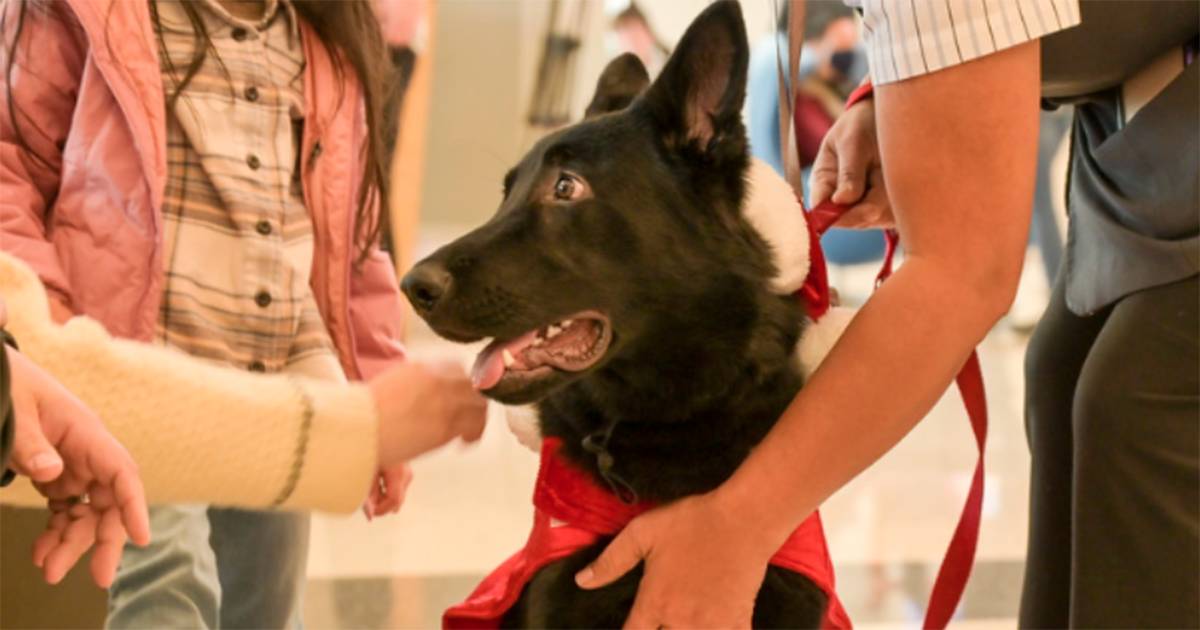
201, 433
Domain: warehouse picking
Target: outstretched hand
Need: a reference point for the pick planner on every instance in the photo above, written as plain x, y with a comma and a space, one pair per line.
423, 406
91, 482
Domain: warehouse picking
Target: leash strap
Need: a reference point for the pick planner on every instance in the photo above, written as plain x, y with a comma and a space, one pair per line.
959, 558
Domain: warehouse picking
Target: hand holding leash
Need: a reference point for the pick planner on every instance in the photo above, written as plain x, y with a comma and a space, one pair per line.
847, 171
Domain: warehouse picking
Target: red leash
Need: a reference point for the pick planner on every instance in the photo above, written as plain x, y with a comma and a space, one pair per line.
960, 555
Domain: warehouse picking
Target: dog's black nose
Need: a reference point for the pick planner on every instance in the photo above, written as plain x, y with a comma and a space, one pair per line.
426, 284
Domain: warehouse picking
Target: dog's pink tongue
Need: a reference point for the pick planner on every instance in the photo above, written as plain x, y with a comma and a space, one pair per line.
489, 365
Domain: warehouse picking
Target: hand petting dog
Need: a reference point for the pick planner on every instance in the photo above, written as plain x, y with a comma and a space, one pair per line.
450, 409
678, 589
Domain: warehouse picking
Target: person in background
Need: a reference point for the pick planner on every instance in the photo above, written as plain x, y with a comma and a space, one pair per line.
209, 176
401, 22
835, 67
832, 63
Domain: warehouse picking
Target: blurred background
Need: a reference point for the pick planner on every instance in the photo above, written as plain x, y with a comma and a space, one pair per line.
484, 80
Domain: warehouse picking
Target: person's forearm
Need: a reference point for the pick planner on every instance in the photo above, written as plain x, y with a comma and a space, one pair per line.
203, 433
958, 149
889, 368
206, 434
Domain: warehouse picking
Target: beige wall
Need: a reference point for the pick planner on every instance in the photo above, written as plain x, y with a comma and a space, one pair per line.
473, 130
484, 72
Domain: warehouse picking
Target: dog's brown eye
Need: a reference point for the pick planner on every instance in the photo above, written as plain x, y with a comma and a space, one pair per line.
565, 187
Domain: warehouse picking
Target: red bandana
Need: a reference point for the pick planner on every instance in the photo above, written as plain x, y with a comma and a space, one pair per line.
573, 512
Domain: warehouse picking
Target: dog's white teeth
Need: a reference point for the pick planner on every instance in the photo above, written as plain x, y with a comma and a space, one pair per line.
537, 342
509, 360
553, 331
566, 323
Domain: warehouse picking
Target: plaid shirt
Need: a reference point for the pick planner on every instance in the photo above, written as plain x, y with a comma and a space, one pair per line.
238, 241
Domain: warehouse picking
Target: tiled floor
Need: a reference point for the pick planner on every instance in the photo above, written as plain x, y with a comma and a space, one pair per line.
469, 508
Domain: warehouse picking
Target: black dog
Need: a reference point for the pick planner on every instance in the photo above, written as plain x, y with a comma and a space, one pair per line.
628, 296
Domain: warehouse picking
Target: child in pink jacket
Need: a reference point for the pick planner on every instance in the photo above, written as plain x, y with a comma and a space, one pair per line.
208, 176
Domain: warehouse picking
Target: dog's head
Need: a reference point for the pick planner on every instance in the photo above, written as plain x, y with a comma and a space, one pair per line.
616, 234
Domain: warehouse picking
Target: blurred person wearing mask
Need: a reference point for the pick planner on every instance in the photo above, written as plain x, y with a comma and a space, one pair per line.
832, 63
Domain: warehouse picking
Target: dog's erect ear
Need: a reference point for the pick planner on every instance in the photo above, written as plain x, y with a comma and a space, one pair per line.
698, 97
622, 80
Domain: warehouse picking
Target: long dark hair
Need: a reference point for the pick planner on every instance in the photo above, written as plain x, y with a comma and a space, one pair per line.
350, 31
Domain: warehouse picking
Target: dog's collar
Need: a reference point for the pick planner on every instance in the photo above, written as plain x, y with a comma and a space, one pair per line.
567, 493
596, 443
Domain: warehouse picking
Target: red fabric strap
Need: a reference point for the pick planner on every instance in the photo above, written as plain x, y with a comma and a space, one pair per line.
960, 555
864, 90
814, 293
573, 512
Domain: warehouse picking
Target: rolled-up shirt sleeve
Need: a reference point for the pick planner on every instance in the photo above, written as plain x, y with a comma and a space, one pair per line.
908, 38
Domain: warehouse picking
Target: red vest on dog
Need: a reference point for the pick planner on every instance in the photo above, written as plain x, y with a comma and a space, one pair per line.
573, 512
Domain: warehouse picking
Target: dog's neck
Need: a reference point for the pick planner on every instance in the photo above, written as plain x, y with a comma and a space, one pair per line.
680, 420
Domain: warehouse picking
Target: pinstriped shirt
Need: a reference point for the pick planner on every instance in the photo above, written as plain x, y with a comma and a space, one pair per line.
238, 241
908, 38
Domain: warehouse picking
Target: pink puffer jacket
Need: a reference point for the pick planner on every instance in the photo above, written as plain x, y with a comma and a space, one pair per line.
91, 102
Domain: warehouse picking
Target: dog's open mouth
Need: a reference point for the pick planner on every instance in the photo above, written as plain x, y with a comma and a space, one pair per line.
573, 344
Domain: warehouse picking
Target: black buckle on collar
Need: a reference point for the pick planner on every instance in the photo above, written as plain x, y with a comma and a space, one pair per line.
596, 443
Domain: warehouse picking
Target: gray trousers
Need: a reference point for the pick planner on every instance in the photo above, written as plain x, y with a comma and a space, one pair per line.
213, 568
1112, 413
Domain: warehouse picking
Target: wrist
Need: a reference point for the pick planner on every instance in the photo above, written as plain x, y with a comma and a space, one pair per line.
748, 502
338, 459
383, 427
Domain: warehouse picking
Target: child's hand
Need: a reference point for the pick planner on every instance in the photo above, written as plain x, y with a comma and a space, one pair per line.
91, 482
423, 406
388, 491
